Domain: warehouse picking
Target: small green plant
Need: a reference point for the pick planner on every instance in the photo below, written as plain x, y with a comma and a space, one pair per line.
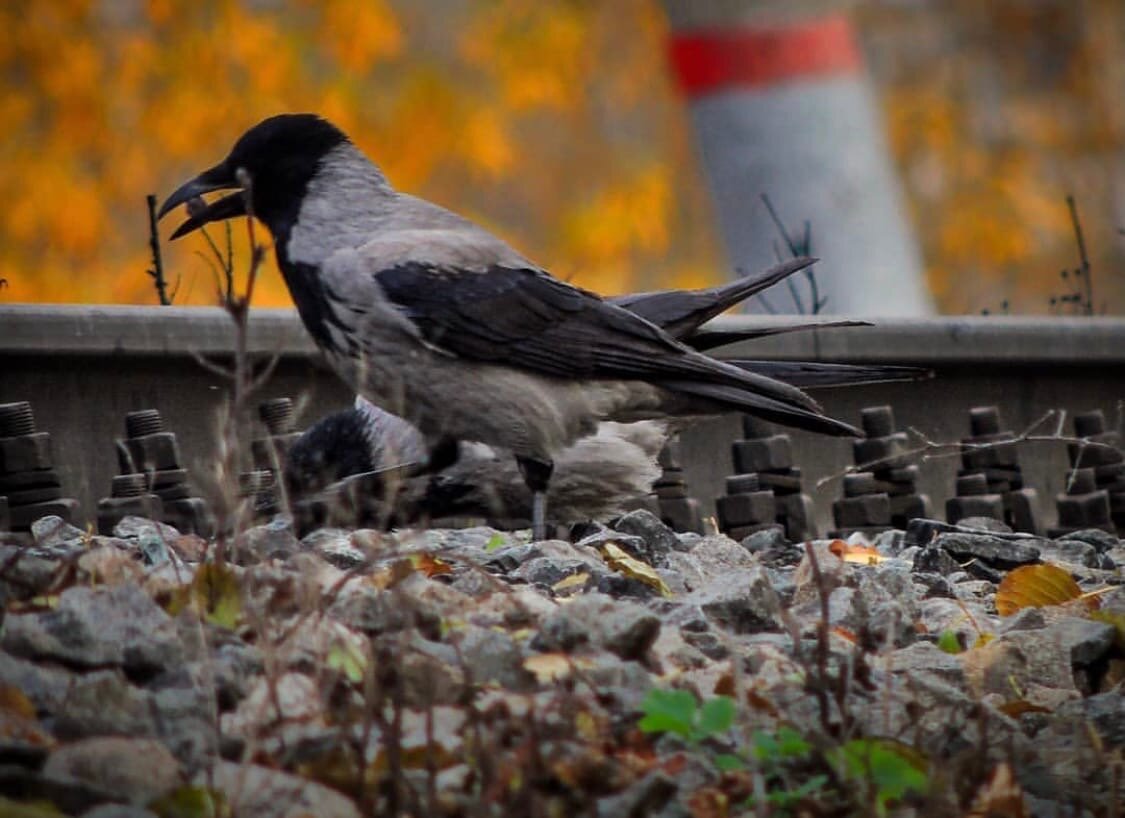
883, 770
775, 754
678, 712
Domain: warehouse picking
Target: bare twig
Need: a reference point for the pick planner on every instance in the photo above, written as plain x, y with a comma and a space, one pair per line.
796, 249
156, 272
934, 450
1087, 303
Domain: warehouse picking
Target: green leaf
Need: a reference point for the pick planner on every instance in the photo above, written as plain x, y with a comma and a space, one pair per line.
716, 716
791, 744
950, 642
497, 540
669, 711
348, 659
892, 768
189, 802
728, 763
766, 747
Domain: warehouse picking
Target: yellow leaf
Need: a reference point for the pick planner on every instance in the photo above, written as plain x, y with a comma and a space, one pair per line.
632, 567
1035, 586
573, 582
549, 667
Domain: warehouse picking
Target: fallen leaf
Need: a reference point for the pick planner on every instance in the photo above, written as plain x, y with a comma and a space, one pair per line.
1018, 707
1035, 586
999, 797
572, 582
430, 565
858, 554
14, 700
549, 667
632, 567
214, 592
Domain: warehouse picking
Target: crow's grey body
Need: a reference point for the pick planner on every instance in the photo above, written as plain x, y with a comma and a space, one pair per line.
377, 345
435, 319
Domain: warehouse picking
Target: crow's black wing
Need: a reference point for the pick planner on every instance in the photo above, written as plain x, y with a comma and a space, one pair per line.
522, 317
681, 312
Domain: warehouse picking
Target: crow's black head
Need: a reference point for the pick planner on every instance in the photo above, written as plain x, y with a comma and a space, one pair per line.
279, 155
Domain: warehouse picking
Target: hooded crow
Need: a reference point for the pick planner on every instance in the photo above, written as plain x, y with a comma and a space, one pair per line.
344, 466
437, 320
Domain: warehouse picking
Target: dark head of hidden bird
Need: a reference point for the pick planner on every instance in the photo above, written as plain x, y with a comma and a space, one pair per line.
433, 318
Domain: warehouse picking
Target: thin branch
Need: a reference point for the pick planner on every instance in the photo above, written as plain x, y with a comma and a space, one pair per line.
157, 270
1084, 268
933, 450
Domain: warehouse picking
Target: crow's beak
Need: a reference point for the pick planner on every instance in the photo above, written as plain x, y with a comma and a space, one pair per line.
221, 209
219, 177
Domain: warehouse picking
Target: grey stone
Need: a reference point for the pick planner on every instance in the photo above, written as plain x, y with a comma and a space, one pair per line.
55, 537
375, 611
334, 545
926, 657
768, 539
921, 531
1026, 619
274, 540
1101, 540
431, 672
990, 524
1005, 553
548, 571
265, 793
741, 601
103, 703
133, 527
623, 628
1077, 552
1085, 639
44, 685
931, 559
25, 575
185, 719
118, 811
491, 655
890, 543
97, 627
136, 770
659, 538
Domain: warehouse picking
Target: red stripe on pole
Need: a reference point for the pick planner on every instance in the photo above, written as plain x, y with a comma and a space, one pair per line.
714, 59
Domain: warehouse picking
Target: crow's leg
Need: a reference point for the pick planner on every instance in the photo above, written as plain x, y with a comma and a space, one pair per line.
537, 474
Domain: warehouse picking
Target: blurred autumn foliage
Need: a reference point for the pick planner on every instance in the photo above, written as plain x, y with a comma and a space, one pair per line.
996, 111
555, 123
551, 122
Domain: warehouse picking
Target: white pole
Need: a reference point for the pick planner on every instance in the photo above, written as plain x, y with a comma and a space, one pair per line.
782, 106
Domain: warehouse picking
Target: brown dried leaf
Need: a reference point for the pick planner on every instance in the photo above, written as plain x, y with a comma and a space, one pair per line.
14, 700
1018, 707
430, 565
1035, 586
858, 554
1000, 797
